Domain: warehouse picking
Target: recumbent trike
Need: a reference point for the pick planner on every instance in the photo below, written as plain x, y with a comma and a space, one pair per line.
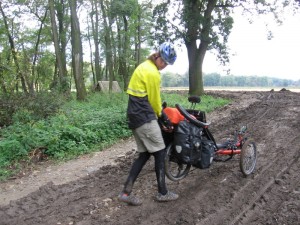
192, 144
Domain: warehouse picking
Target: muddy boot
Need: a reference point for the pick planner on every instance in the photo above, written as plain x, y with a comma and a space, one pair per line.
170, 196
129, 199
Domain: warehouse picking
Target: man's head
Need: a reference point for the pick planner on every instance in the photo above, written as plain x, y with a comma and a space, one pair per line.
167, 53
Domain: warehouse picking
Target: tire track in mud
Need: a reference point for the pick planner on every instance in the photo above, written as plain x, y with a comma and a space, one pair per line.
252, 210
242, 202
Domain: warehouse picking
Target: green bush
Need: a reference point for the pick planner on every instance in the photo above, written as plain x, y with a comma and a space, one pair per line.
11, 150
21, 107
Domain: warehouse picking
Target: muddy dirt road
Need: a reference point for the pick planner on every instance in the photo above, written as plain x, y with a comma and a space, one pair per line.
65, 194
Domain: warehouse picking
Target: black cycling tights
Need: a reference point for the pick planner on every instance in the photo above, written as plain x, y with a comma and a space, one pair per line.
139, 163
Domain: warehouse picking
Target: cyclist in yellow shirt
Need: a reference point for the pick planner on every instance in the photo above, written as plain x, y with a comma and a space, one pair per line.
143, 112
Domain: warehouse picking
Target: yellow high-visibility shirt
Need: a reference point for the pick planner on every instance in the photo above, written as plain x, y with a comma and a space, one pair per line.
145, 81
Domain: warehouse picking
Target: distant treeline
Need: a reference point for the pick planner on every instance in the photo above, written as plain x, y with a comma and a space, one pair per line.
215, 79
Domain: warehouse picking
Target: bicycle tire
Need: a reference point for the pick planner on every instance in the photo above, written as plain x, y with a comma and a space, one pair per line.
175, 170
248, 157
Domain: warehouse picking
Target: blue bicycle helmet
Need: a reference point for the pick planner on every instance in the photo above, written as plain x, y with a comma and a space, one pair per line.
167, 53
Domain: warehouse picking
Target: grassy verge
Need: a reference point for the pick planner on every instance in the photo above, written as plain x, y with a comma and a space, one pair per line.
77, 128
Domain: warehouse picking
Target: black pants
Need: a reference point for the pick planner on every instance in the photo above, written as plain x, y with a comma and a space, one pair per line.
139, 163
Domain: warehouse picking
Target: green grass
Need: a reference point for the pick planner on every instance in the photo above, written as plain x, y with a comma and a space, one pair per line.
207, 104
77, 128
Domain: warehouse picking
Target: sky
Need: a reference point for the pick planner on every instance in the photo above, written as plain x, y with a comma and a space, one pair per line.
251, 53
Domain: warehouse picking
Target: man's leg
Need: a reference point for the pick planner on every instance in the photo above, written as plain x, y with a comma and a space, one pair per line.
163, 194
160, 171
138, 164
136, 168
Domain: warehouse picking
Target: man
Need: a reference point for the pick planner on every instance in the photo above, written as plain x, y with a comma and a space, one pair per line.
144, 111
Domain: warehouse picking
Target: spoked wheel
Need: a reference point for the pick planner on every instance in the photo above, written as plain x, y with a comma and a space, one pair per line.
174, 169
248, 157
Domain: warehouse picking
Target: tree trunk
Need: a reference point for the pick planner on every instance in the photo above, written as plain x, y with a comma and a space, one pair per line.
2, 84
59, 56
13, 51
108, 48
91, 53
195, 69
63, 24
36, 48
95, 27
123, 49
24, 67
2, 80
77, 55
196, 54
138, 40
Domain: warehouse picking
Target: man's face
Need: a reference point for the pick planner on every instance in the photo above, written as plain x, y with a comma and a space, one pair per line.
160, 63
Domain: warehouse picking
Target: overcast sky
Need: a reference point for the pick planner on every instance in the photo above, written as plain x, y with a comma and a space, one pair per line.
253, 54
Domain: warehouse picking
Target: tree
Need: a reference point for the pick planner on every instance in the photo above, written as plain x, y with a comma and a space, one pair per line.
94, 34
121, 11
14, 52
107, 23
127, 15
35, 30
77, 60
142, 27
124, 32
59, 41
41, 13
203, 25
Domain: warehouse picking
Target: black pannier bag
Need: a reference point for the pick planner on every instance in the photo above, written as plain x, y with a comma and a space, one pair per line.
187, 142
207, 153
191, 147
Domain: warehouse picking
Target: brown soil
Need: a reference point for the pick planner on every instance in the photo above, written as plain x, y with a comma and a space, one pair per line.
84, 191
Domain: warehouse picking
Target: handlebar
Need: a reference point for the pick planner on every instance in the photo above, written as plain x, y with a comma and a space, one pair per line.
190, 118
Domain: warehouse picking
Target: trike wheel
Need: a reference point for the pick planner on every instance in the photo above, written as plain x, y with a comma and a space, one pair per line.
174, 169
248, 157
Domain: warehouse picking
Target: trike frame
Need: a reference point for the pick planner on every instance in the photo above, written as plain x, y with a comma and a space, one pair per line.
240, 145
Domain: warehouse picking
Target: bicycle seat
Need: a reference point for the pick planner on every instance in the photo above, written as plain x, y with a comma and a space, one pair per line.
194, 99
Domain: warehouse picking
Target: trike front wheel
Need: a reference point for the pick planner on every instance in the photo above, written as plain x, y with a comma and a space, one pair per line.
248, 157
175, 170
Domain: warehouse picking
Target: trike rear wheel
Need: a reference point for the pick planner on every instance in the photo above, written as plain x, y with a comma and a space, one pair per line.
174, 169
248, 157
